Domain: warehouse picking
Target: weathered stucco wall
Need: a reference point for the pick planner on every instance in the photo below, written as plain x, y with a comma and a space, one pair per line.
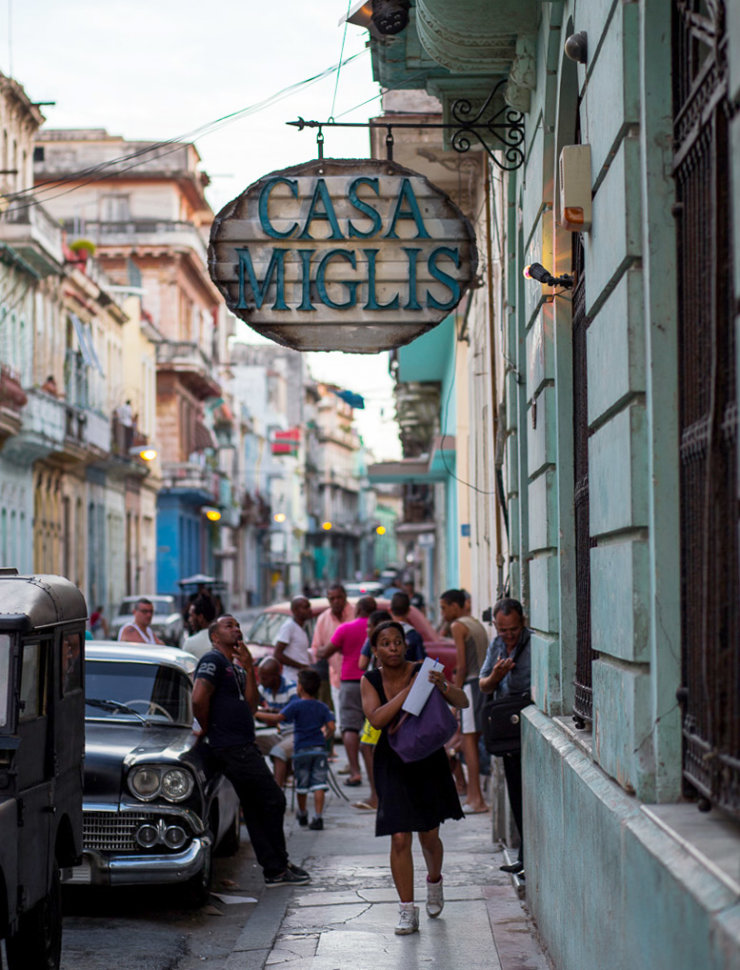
609, 887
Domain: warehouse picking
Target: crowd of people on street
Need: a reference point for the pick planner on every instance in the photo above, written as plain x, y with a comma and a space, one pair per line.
355, 675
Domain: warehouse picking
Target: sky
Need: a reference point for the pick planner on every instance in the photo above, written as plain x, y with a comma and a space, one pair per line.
165, 69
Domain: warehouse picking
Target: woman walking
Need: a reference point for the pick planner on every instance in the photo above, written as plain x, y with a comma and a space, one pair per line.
412, 797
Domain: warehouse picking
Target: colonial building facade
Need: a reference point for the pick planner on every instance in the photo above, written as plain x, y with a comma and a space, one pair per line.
148, 225
65, 485
602, 413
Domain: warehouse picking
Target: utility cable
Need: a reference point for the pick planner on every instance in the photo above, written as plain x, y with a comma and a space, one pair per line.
32, 196
443, 456
339, 64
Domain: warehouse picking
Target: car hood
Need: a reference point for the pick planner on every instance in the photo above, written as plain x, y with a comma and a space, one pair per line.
111, 749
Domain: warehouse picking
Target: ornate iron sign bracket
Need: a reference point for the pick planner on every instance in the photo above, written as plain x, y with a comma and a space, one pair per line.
504, 128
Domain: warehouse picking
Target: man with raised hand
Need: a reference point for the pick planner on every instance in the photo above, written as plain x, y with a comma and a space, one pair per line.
225, 697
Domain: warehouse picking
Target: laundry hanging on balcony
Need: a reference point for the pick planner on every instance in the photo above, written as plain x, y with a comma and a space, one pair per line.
87, 348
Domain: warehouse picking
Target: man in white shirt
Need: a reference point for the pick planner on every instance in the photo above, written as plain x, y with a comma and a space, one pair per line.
291, 647
139, 629
201, 613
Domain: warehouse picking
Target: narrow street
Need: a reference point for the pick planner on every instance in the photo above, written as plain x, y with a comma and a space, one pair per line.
344, 919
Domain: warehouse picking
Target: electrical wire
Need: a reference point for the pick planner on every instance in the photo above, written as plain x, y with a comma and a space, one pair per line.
37, 194
450, 472
339, 65
403, 85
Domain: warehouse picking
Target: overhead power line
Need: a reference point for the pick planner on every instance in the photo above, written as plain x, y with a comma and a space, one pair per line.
45, 191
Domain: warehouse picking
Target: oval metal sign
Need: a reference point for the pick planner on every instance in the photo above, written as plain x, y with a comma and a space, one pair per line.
342, 254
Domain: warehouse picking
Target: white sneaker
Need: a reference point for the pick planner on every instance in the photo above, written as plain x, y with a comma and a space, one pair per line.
408, 921
435, 898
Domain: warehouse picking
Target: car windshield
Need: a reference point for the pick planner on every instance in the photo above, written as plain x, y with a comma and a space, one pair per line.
266, 626
161, 604
132, 691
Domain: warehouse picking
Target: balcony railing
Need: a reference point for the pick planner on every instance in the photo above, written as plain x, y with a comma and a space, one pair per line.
186, 475
188, 359
36, 236
143, 232
97, 431
182, 353
45, 417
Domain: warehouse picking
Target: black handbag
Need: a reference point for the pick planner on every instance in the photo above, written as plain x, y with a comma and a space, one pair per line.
502, 726
502, 731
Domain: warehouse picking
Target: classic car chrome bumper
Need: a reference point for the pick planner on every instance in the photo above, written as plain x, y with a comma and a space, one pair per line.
133, 869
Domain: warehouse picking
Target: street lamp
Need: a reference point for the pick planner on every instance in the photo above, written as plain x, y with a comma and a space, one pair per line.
279, 517
143, 451
326, 526
213, 515
380, 530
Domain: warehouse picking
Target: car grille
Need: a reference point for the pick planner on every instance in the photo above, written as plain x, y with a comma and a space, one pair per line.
111, 832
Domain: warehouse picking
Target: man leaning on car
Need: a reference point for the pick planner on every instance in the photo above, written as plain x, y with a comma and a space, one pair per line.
139, 629
225, 698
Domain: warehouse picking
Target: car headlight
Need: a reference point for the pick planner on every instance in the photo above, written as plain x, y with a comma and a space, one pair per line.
144, 782
177, 784
173, 784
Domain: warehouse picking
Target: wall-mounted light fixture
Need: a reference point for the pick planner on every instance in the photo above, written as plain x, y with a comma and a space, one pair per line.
576, 47
279, 517
213, 515
144, 452
575, 188
381, 17
380, 530
536, 271
326, 526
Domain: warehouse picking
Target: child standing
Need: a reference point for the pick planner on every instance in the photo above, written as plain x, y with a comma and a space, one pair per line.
313, 722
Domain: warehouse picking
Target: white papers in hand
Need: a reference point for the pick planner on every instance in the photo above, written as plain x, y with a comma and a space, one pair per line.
422, 687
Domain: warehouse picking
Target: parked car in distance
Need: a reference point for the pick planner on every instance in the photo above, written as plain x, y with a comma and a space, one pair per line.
369, 588
154, 806
262, 635
167, 622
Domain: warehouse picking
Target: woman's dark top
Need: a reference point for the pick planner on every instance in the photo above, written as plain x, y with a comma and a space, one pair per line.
413, 797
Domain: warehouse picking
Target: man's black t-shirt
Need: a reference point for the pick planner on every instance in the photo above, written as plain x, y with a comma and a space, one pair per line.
231, 722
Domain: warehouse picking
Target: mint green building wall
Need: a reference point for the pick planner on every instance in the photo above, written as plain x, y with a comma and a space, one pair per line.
620, 872
609, 887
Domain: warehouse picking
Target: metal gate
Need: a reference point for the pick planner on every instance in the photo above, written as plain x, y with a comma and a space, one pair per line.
583, 702
710, 694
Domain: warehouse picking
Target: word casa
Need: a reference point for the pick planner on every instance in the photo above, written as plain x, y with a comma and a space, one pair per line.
412, 277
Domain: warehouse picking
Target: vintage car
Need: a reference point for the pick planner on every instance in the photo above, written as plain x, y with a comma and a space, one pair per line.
262, 635
167, 622
154, 806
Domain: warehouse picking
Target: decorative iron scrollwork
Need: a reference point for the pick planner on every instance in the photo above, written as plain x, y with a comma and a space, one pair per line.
502, 131
509, 132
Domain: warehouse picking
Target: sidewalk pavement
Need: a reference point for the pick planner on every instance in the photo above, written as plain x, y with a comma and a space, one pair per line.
345, 918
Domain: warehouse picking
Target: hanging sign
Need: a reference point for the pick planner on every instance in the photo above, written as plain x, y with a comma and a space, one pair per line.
342, 254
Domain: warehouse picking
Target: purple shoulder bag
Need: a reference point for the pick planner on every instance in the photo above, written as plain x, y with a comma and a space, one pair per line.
416, 736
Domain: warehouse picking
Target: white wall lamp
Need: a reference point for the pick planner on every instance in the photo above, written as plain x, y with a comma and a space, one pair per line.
575, 188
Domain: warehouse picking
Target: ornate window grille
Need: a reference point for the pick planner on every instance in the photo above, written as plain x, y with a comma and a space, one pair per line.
708, 420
